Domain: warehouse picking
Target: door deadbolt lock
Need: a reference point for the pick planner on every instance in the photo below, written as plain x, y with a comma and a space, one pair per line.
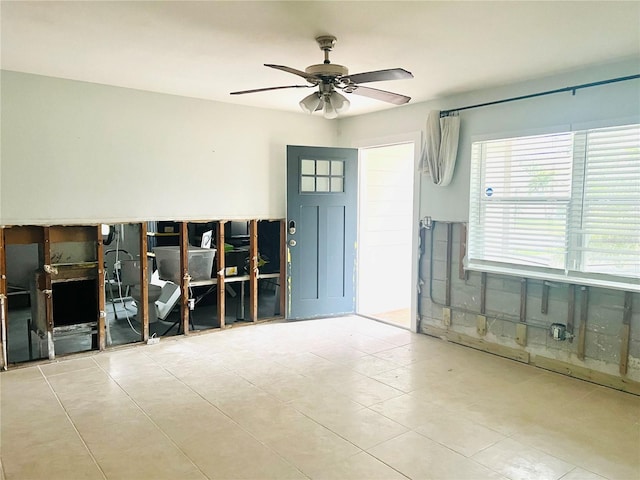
292, 227
292, 243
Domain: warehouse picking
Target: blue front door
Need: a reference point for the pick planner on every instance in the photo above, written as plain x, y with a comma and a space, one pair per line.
321, 230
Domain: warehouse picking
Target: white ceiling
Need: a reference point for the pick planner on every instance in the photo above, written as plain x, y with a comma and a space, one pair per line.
206, 49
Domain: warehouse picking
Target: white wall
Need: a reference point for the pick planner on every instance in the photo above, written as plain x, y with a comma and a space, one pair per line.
75, 152
66, 143
597, 104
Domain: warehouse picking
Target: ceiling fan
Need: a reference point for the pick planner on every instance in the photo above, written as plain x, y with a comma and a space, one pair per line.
330, 77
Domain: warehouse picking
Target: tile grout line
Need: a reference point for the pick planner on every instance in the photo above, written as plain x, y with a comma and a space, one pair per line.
227, 415
84, 443
530, 448
414, 430
152, 421
362, 450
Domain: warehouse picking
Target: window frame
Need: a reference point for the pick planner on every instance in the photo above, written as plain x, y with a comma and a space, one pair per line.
574, 240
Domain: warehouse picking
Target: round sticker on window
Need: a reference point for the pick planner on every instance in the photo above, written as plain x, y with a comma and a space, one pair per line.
488, 191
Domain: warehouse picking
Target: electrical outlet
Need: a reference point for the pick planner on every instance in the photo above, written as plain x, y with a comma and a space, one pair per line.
153, 340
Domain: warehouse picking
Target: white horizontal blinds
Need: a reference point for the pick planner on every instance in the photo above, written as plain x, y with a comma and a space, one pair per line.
519, 207
537, 167
611, 202
475, 243
525, 234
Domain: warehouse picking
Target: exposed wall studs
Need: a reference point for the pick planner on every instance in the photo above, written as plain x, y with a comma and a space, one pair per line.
3, 302
48, 291
184, 278
584, 312
544, 307
447, 277
523, 300
571, 309
220, 266
282, 291
483, 293
462, 273
626, 333
521, 328
102, 314
253, 270
143, 308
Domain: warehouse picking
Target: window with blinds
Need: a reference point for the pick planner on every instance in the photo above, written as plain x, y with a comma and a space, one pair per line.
564, 202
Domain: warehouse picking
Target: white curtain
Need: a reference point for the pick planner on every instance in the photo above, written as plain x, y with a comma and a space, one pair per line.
441, 147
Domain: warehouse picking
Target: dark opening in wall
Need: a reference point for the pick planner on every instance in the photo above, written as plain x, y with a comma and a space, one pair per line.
75, 302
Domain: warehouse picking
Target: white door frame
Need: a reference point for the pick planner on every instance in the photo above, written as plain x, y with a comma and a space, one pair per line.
416, 138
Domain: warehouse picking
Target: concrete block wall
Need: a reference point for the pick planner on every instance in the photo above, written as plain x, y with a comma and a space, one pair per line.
604, 320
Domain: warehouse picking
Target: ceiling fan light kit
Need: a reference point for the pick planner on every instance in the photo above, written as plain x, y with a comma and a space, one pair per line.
332, 104
330, 77
311, 103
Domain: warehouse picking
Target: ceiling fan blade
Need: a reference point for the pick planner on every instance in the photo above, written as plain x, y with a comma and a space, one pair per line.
376, 94
379, 75
307, 76
270, 88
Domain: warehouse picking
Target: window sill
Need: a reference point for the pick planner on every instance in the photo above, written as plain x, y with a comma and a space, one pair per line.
627, 285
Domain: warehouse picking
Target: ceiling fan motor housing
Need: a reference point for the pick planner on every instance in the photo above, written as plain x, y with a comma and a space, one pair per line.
332, 70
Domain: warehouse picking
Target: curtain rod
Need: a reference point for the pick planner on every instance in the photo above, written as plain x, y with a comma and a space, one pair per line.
573, 89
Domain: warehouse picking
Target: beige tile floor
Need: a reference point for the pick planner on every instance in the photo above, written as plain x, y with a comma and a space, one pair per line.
341, 398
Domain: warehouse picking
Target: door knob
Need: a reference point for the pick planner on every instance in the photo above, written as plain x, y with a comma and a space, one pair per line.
292, 243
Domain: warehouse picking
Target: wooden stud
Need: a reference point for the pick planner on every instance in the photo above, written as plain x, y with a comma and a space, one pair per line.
4, 312
102, 311
544, 307
481, 325
571, 308
626, 333
582, 330
523, 300
521, 334
521, 328
253, 270
221, 276
184, 277
48, 290
447, 274
446, 316
143, 308
462, 273
283, 267
483, 293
